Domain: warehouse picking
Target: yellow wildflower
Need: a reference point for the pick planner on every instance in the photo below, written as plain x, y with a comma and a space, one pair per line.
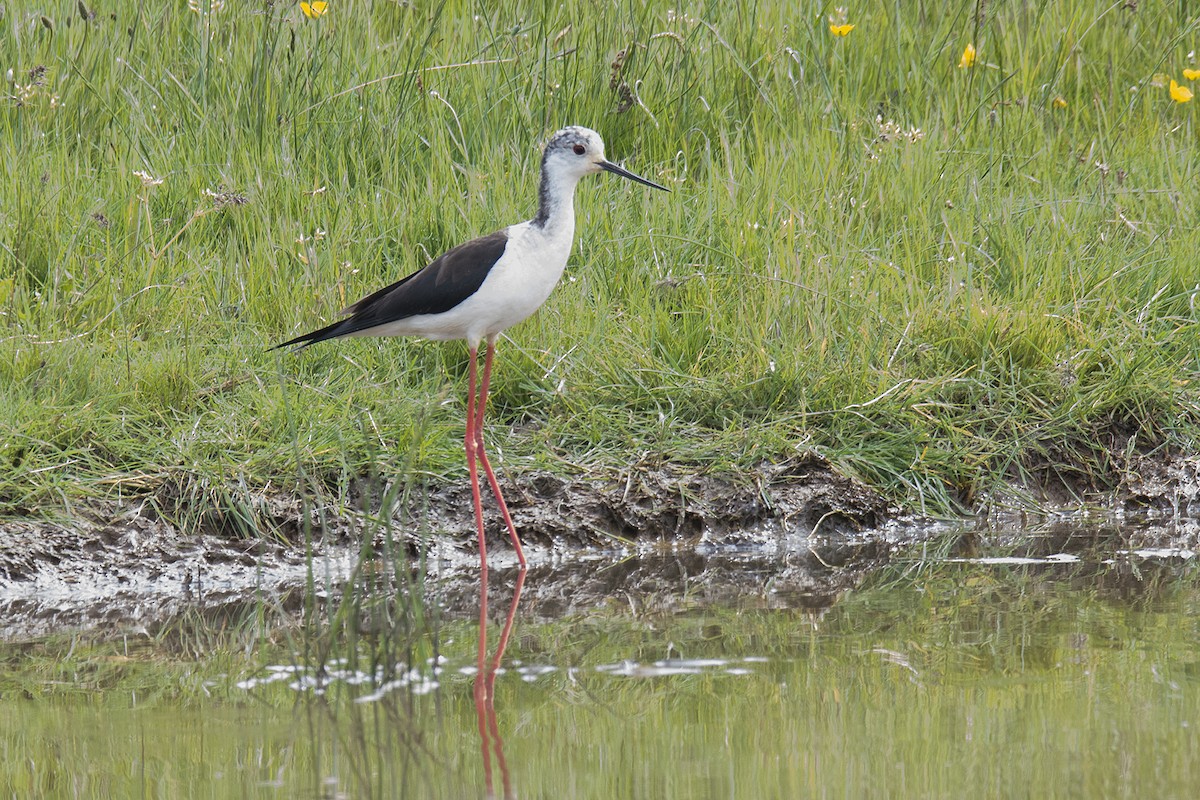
841, 30
1159, 80
1191, 74
314, 9
1059, 102
1180, 94
968, 57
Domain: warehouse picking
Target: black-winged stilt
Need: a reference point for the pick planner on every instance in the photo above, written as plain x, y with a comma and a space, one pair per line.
482, 287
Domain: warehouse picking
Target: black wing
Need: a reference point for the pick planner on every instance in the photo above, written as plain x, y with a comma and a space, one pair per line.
449, 279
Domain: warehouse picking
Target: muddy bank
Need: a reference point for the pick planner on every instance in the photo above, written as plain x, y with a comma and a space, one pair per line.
120, 565
652, 535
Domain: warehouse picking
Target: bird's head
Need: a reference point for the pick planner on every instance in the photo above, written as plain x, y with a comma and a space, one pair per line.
578, 151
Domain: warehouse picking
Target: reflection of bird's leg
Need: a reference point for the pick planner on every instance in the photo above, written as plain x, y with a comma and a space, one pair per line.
484, 711
491, 686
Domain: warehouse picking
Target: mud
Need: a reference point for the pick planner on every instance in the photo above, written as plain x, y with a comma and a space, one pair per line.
653, 537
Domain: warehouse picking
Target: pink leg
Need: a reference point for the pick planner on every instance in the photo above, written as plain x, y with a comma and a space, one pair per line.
487, 467
474, 447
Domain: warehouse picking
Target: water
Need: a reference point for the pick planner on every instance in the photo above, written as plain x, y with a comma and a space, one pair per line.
1063, 666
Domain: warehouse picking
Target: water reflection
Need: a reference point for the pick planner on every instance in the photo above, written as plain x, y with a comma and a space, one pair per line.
673, 581
981, 664
485, 687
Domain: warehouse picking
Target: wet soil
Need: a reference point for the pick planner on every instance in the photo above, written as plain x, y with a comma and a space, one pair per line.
654, 537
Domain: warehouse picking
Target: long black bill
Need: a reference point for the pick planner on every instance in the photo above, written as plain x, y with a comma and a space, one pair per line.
624, 173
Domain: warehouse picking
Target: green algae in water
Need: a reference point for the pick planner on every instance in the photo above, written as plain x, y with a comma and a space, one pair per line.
933, 680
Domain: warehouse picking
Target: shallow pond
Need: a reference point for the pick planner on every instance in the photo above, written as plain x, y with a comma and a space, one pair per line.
1065, 665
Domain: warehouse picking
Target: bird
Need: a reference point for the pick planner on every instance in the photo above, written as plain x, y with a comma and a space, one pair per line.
479, 289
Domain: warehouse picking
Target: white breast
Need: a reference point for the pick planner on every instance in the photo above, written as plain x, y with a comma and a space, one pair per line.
523, 278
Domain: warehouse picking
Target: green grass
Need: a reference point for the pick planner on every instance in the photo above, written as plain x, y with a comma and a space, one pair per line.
1010, 290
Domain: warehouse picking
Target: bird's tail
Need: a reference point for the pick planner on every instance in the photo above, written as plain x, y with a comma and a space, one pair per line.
332, 331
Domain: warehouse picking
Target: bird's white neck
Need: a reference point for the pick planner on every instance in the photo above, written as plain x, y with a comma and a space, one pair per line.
556, 200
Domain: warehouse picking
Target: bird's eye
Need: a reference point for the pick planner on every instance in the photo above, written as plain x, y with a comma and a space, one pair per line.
579, 149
